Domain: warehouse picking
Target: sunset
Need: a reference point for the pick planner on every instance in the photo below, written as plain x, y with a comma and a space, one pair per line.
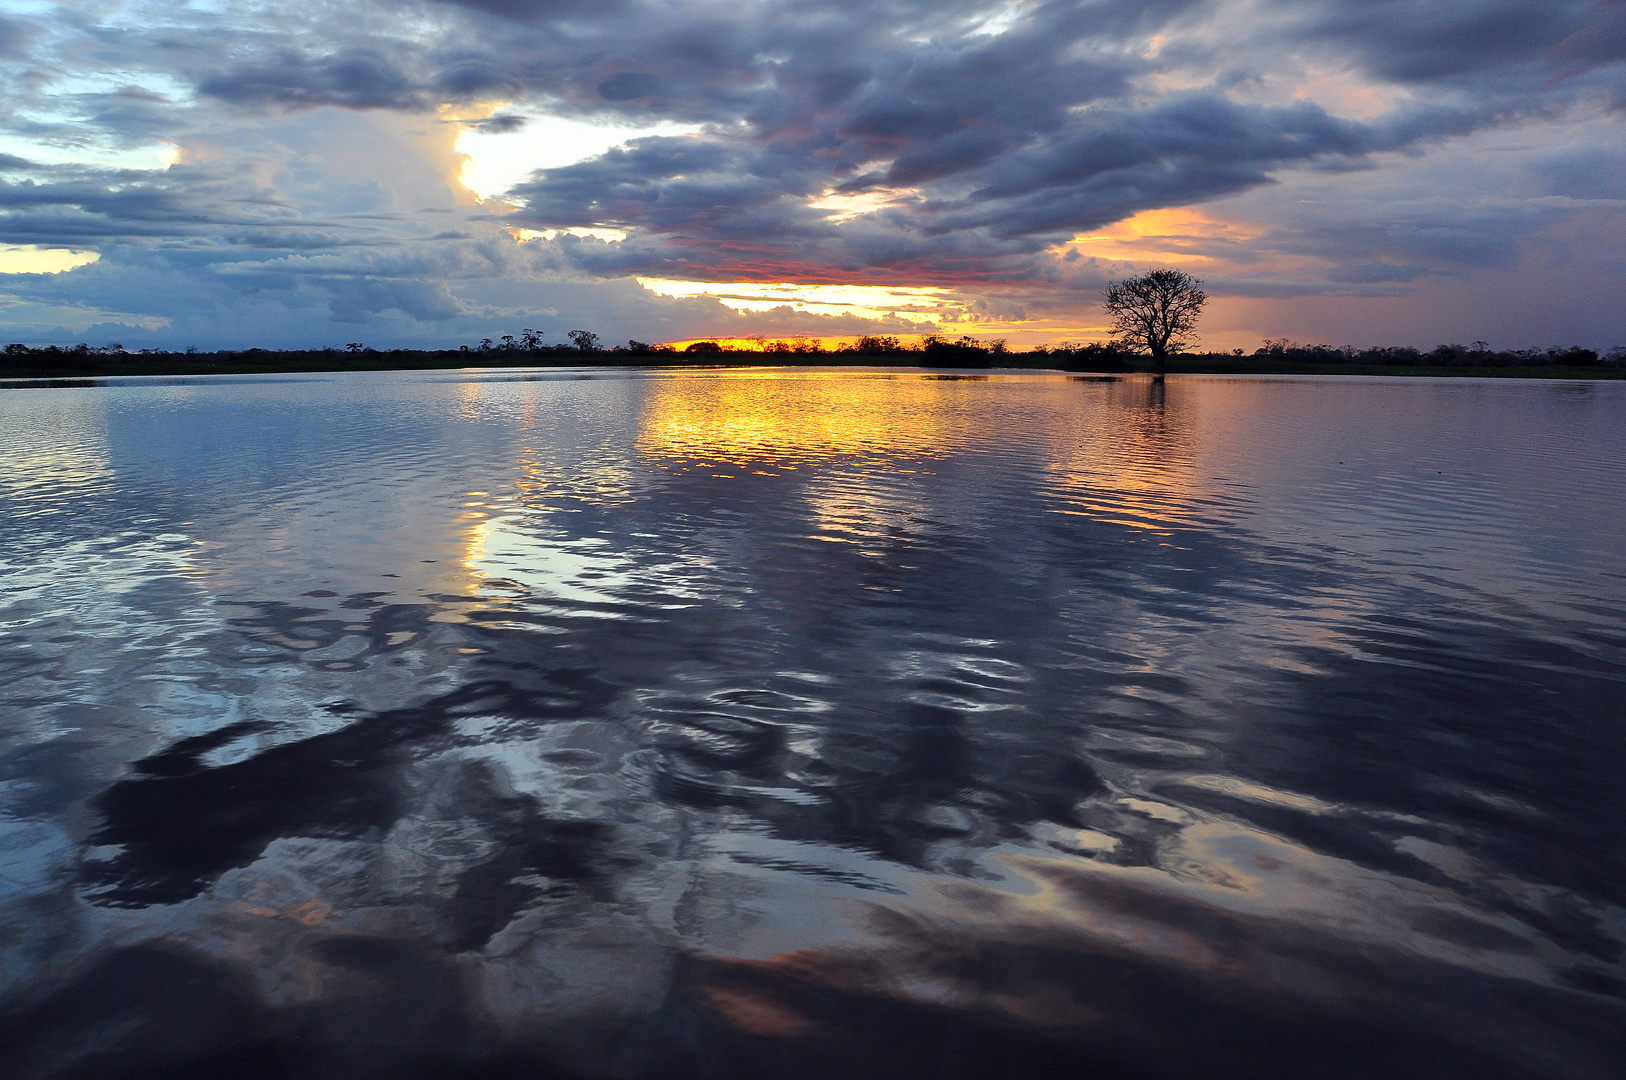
423, 175
812, 540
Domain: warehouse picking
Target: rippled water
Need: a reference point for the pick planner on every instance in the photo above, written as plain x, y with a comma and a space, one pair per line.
812, 724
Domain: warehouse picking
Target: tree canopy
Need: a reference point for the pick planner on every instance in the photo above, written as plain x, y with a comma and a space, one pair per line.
1157, 311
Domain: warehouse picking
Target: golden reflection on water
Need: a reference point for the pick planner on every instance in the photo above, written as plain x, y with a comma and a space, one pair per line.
547, 484
770, 422
1118, 452
470, 394
1134, 460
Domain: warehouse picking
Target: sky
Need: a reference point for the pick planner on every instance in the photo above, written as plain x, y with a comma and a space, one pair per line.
424, 174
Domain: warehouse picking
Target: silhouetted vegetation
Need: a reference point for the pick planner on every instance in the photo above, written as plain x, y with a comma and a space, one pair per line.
1156, 311
1282, 355
527, 349
1478, 355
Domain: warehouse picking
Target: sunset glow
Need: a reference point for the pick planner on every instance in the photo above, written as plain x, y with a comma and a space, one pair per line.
1178, 236
847, 207
30, 259
609, 236
1436, 173
920, 305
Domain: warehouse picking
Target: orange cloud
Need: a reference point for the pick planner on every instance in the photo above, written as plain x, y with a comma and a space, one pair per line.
1180, 236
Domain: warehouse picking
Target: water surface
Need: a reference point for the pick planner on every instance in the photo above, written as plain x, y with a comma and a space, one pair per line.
799, 723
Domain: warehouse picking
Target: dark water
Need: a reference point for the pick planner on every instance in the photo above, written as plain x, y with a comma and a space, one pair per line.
812, 724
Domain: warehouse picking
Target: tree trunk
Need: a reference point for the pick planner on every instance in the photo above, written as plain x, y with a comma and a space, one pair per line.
1160, 357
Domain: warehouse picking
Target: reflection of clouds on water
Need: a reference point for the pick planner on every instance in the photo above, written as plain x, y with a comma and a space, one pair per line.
491, 722
1254, 875
523, 559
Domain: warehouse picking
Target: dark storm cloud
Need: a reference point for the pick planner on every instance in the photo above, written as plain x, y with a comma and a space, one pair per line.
357, 300
669, 183
196, 209
628, 85
1590, 172
1055, 123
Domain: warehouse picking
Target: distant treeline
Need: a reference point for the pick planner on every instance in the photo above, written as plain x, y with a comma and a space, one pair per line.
933, 350
1479, 354
586, 348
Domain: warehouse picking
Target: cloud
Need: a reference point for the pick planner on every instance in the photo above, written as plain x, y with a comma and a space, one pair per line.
357, 300
499, 124
960, 144
529, 10
16, 35
352, 78
1480, 43
729, 206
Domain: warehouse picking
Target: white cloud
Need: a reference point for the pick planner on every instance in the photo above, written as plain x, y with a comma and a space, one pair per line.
499, 160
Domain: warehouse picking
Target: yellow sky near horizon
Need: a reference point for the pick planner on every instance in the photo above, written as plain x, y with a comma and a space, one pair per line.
33, 259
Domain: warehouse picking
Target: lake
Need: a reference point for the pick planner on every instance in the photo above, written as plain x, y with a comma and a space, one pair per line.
812, 723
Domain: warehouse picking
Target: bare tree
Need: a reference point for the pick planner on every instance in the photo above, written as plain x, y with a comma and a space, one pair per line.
1156, 312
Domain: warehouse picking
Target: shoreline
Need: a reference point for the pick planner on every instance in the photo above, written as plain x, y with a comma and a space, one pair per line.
78, 369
